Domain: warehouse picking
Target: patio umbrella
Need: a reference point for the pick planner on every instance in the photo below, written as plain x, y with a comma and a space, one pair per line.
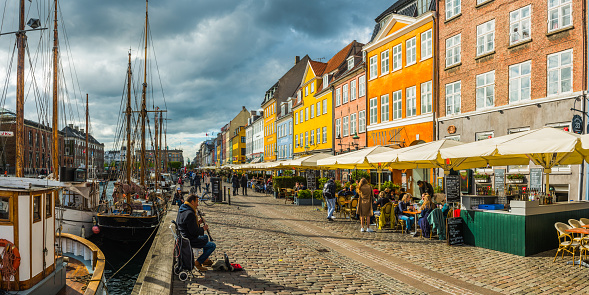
425, 155
308, 162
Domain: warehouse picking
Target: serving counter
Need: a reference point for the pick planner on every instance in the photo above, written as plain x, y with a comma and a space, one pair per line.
526, 228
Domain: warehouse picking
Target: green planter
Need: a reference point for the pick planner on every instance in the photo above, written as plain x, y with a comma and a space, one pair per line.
305, 202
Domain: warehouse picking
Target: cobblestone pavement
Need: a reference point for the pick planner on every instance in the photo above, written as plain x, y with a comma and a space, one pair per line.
288, 249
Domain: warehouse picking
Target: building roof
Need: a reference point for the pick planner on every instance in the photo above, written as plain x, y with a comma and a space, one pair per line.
288, 84
70, 131
403, 7
318, 67
334, 63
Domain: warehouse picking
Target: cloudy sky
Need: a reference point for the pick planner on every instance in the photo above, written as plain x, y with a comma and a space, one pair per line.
213, 56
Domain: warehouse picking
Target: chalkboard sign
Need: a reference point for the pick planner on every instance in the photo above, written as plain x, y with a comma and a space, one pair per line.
216, 188
500, 180
452, 188
311, 180
536, 178
454, 231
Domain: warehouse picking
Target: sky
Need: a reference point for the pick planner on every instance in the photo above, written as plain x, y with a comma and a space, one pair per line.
213, 57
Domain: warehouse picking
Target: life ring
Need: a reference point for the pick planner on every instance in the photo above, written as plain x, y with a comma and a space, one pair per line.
16, 261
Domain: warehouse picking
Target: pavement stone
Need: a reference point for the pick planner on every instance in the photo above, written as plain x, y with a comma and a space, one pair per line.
277, 245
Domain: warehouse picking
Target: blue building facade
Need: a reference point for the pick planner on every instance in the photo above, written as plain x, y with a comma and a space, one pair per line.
284, 143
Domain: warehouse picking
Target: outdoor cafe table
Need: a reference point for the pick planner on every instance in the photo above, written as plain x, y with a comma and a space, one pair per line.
414, 213
578, 230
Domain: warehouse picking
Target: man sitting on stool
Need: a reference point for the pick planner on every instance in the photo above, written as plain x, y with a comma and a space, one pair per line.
190, 228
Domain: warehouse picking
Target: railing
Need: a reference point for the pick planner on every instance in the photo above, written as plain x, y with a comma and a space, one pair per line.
79, 246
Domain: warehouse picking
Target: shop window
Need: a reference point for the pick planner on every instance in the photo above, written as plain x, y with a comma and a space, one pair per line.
482, 136
48, 205
36, 208
565, 127
5, 203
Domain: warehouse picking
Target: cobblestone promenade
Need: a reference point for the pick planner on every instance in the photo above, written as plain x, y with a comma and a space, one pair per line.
288, 249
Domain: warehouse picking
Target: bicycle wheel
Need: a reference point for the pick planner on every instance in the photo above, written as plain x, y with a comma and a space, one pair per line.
207, 199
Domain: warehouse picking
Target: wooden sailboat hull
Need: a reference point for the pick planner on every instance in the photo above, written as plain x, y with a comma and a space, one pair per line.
124, 228
74, 219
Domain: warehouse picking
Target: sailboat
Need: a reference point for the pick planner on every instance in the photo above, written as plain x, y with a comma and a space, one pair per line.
34, 253
136, 210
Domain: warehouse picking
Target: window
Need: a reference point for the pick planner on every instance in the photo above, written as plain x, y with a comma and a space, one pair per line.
318, 136
453, 98
243, 139
345, 126
338, 97
485, 90
5, 203
296, 118
453, 50
411, 51
362, 86
324, 134
296, 140
397, 57
565, 127
519, 24
486, 37
519, 81
306, 90
36, 208
312, 111
362, 121
299, 94
350, 63
373, 68
301, 116
411, 101
517, 168
426, 97
325, 106
345, 93
312, 142
353, 90
384, 108
453, 137
353, 124
306, 138
306, 114
426, 44
559, 14
338, 128
397, 105
560, 72
313, 87
482, 136
318, 109
373, 110
452, 8
384, 62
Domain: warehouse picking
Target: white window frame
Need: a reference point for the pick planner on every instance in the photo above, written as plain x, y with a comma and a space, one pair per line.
561, 168
318, 136
302, 116
520, 28
426, 97
558, 6
453, 8
453, 137
306, 138
353, 124
426, 44
312, 86
338, 128
306, 114
384, 62
485, 89
324, 134
306, 90
362, 86
345, 94
373, 110
559, 70
296, 118
518, 168
338, 96
312, 111
362, 121
411, 51
353, 90
345, 126
484, 135
485, 36
325, 106
373, 67
318, 112
350, 63
397, 105
398, 57
453, 50
411, 101
454, 97
384, 108
312, 137
520, 74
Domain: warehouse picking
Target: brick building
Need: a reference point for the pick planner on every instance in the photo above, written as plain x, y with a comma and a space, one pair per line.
511, 66
75, 150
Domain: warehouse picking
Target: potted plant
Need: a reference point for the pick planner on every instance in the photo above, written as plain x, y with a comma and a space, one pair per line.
482, 178
303, 198
515, 178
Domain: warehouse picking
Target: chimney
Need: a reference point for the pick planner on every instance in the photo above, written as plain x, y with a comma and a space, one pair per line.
297, 59
253, 113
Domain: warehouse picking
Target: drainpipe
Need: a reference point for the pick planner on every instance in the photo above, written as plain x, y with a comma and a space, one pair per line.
586, 82
435, 78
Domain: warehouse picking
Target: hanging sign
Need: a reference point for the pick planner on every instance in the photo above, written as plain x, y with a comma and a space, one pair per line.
500, 180
577, 124
6, 133
452, 188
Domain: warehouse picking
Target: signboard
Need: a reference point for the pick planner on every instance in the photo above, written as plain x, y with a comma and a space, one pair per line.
536, 178
452, 188
6, 133
311, 185
216, 188
454, 231
577, 124
404, 180
500, 180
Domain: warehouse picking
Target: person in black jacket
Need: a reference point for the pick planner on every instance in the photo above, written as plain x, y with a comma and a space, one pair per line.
197, 182
243, 182
190, 228
329, 195
235, 184
425, 188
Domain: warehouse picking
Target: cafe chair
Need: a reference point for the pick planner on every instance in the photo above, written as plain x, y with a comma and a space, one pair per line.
584, 221
341, 204
399, 223
566, 243
576, 224
386, 216
289, 196
352, 208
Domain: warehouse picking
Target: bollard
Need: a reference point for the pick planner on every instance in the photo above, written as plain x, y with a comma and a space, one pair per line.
224, 192
229, 192
229, 200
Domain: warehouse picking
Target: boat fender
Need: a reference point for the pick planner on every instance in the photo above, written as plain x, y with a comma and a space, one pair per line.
96, 229
13, 254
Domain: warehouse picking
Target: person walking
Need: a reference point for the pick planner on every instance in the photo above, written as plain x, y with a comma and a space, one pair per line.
207, 182
235, 184
364, 209
329, 194
244, 184
197, 182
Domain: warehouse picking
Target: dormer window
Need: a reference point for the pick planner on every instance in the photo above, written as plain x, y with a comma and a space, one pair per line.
350, 63
325, 80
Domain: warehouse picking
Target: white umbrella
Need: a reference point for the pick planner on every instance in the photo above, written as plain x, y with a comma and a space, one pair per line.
425, 155
307, 161
354, 160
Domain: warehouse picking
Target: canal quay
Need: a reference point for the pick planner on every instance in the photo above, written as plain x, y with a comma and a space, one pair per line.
289, 249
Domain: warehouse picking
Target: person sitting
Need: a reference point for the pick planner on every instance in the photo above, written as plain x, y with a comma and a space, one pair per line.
403, 206
178, 199
344, 192
190, 228
383, 199
426, 209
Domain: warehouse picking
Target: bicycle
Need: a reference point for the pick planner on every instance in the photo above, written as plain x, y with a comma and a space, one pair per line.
207, 199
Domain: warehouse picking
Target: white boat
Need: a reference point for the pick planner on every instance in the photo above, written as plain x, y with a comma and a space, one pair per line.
76, 208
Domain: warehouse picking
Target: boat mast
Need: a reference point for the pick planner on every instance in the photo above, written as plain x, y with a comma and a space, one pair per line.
161, 131
21, 40
55, 155
129, 111
156, 151
87, 131
143, 103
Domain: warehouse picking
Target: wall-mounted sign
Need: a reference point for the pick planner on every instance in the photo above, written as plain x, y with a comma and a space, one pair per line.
577, 124
6, 133
451, 129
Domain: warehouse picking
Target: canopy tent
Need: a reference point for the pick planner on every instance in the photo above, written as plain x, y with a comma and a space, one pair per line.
308, 162
354, 160
425, 155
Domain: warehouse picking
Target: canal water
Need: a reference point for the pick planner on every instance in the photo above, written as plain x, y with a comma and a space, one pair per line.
117, 255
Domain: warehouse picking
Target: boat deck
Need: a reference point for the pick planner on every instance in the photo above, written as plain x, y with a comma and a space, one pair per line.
77, 278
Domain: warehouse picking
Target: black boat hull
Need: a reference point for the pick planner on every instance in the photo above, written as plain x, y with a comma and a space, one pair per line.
127, 228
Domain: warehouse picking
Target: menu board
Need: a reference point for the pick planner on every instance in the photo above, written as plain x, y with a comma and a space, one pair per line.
536, 178
454, 231
311, 180
500, 180
452, 188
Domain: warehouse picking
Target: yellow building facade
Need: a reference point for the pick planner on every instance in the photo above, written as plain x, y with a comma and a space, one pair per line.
238, 144
269, 107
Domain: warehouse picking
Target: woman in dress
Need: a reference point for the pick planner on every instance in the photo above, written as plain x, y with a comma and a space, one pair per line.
364, 209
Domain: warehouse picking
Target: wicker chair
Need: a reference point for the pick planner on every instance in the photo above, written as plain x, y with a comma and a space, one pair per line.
352, 208
386, 216
584, 221
566, 243
289, 195
576, 224
341, 204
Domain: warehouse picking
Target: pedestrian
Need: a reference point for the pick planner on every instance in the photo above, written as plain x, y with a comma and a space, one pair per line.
207, 181
197, 182
364, 209
235, 184
425, 188
329, 194
244, 184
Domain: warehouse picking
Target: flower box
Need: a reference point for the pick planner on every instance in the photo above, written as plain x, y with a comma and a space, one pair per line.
515, 180
306, 202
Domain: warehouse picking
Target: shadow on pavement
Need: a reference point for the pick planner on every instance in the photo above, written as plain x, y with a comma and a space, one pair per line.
233, 282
